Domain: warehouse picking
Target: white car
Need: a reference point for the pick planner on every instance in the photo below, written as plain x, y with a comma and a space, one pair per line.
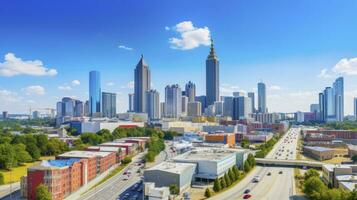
256, 179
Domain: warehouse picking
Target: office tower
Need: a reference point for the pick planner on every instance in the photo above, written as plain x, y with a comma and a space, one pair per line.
194, 109
36, 114
173, 101
131, 102
86, 109
68, 107
338, 89
142, 81
78, 108
184, 105
355, 107
241, 107
261, 98
212, 77
321, 116
218, 108
210, 111
331, 102
95, 94
238, 94
5, 115
251, 95
109, 104
153, 104
315, 108
202, 100
190, 91
162, 109
227, 106
59, 109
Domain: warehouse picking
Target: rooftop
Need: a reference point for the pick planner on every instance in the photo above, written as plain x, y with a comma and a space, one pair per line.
318, 148
117, 144
84, 154
172, 167
210, 154
108, 149
349, 185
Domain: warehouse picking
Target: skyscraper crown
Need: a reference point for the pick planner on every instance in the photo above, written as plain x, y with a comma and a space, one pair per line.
212, 53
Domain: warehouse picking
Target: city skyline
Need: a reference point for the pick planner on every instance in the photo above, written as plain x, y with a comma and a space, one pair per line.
293, 77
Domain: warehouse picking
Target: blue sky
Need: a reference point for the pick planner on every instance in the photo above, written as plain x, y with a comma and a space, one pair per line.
296, 47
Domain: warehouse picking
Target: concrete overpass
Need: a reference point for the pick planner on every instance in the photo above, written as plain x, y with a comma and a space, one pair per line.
288, 163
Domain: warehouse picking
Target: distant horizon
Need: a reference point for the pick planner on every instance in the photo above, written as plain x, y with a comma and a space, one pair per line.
46, 54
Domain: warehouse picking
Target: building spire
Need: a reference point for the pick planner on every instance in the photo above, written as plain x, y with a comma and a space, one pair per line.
212, 53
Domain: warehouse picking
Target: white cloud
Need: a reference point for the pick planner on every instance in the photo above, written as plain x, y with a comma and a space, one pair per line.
190, 36
275, 88
64, 87
34, 89
8, 96
324, 74
110, 84
228, 89
346, 66
129, 85
125, 47
167, 28
75, 82
13, 66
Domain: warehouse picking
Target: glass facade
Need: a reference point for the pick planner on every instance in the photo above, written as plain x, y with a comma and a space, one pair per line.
95, 94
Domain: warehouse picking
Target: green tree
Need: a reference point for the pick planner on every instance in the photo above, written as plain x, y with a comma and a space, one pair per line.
126, 160
208, 193
91, 138
354, 158
231, 175
311, 173
7, 156
21, 155
245, 143
217, 185
174, 189
246, 166
223, 183
119, 133
314, 188
105, 134
251, 160
236, 172
33, 150
42, 193
41, 143
227, 179
2, 179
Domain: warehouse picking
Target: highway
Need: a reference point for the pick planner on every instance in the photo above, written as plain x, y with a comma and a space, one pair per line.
277, 186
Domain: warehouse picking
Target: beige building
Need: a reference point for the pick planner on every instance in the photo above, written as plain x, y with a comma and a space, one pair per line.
319, 153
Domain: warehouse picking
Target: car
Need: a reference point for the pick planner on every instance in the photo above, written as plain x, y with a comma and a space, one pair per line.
247, 196
256, 179
280, 172
269, 173
125, 178
246, 191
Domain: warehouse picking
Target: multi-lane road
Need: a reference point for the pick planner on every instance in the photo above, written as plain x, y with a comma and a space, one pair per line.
279, 185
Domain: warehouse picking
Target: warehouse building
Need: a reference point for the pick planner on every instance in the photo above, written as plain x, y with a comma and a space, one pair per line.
211, 162
223, 138
319, 153
168, 173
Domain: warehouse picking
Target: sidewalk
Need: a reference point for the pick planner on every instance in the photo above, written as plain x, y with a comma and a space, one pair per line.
5, 189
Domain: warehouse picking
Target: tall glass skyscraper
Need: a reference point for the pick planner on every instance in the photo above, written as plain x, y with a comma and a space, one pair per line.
173, 101
331, 102
142, 81
95, 94
190, 91
252, 101
212, 77
153, 104
261, 98
109, 108
338, 89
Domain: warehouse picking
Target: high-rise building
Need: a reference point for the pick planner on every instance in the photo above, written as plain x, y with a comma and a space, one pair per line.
86, 109
261, 98
218, 108
153, 104
142, 81
162, 109
194, 109
190, 91
131, 102
212, 77
36, 114
78, 108
241, 107
59, 109
68, 107
355, 107
251, 95
331, 102
338, 89
95, 94
238, 94
227, 106
184, 105
173, 101
202, 100
5, 115
109, 104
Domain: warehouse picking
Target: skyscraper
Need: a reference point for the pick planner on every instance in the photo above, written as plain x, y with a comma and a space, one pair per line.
252, 100
212, 77
68, 107
190, 91
153, 104
355, 107
241, 107
184, 102
218, 108
338, 89
109, 101
78, 108
194, 109
131, 103
227, 106
95, 94
142, 81
173, 101
202, 100
261, 98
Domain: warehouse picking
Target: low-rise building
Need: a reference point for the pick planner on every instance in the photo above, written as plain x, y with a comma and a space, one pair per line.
156, 193
342, 176
224, 138
130, 148
319, 153
168, 173
119, 151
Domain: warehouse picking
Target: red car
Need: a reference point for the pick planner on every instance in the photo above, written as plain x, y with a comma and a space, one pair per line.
247, 196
